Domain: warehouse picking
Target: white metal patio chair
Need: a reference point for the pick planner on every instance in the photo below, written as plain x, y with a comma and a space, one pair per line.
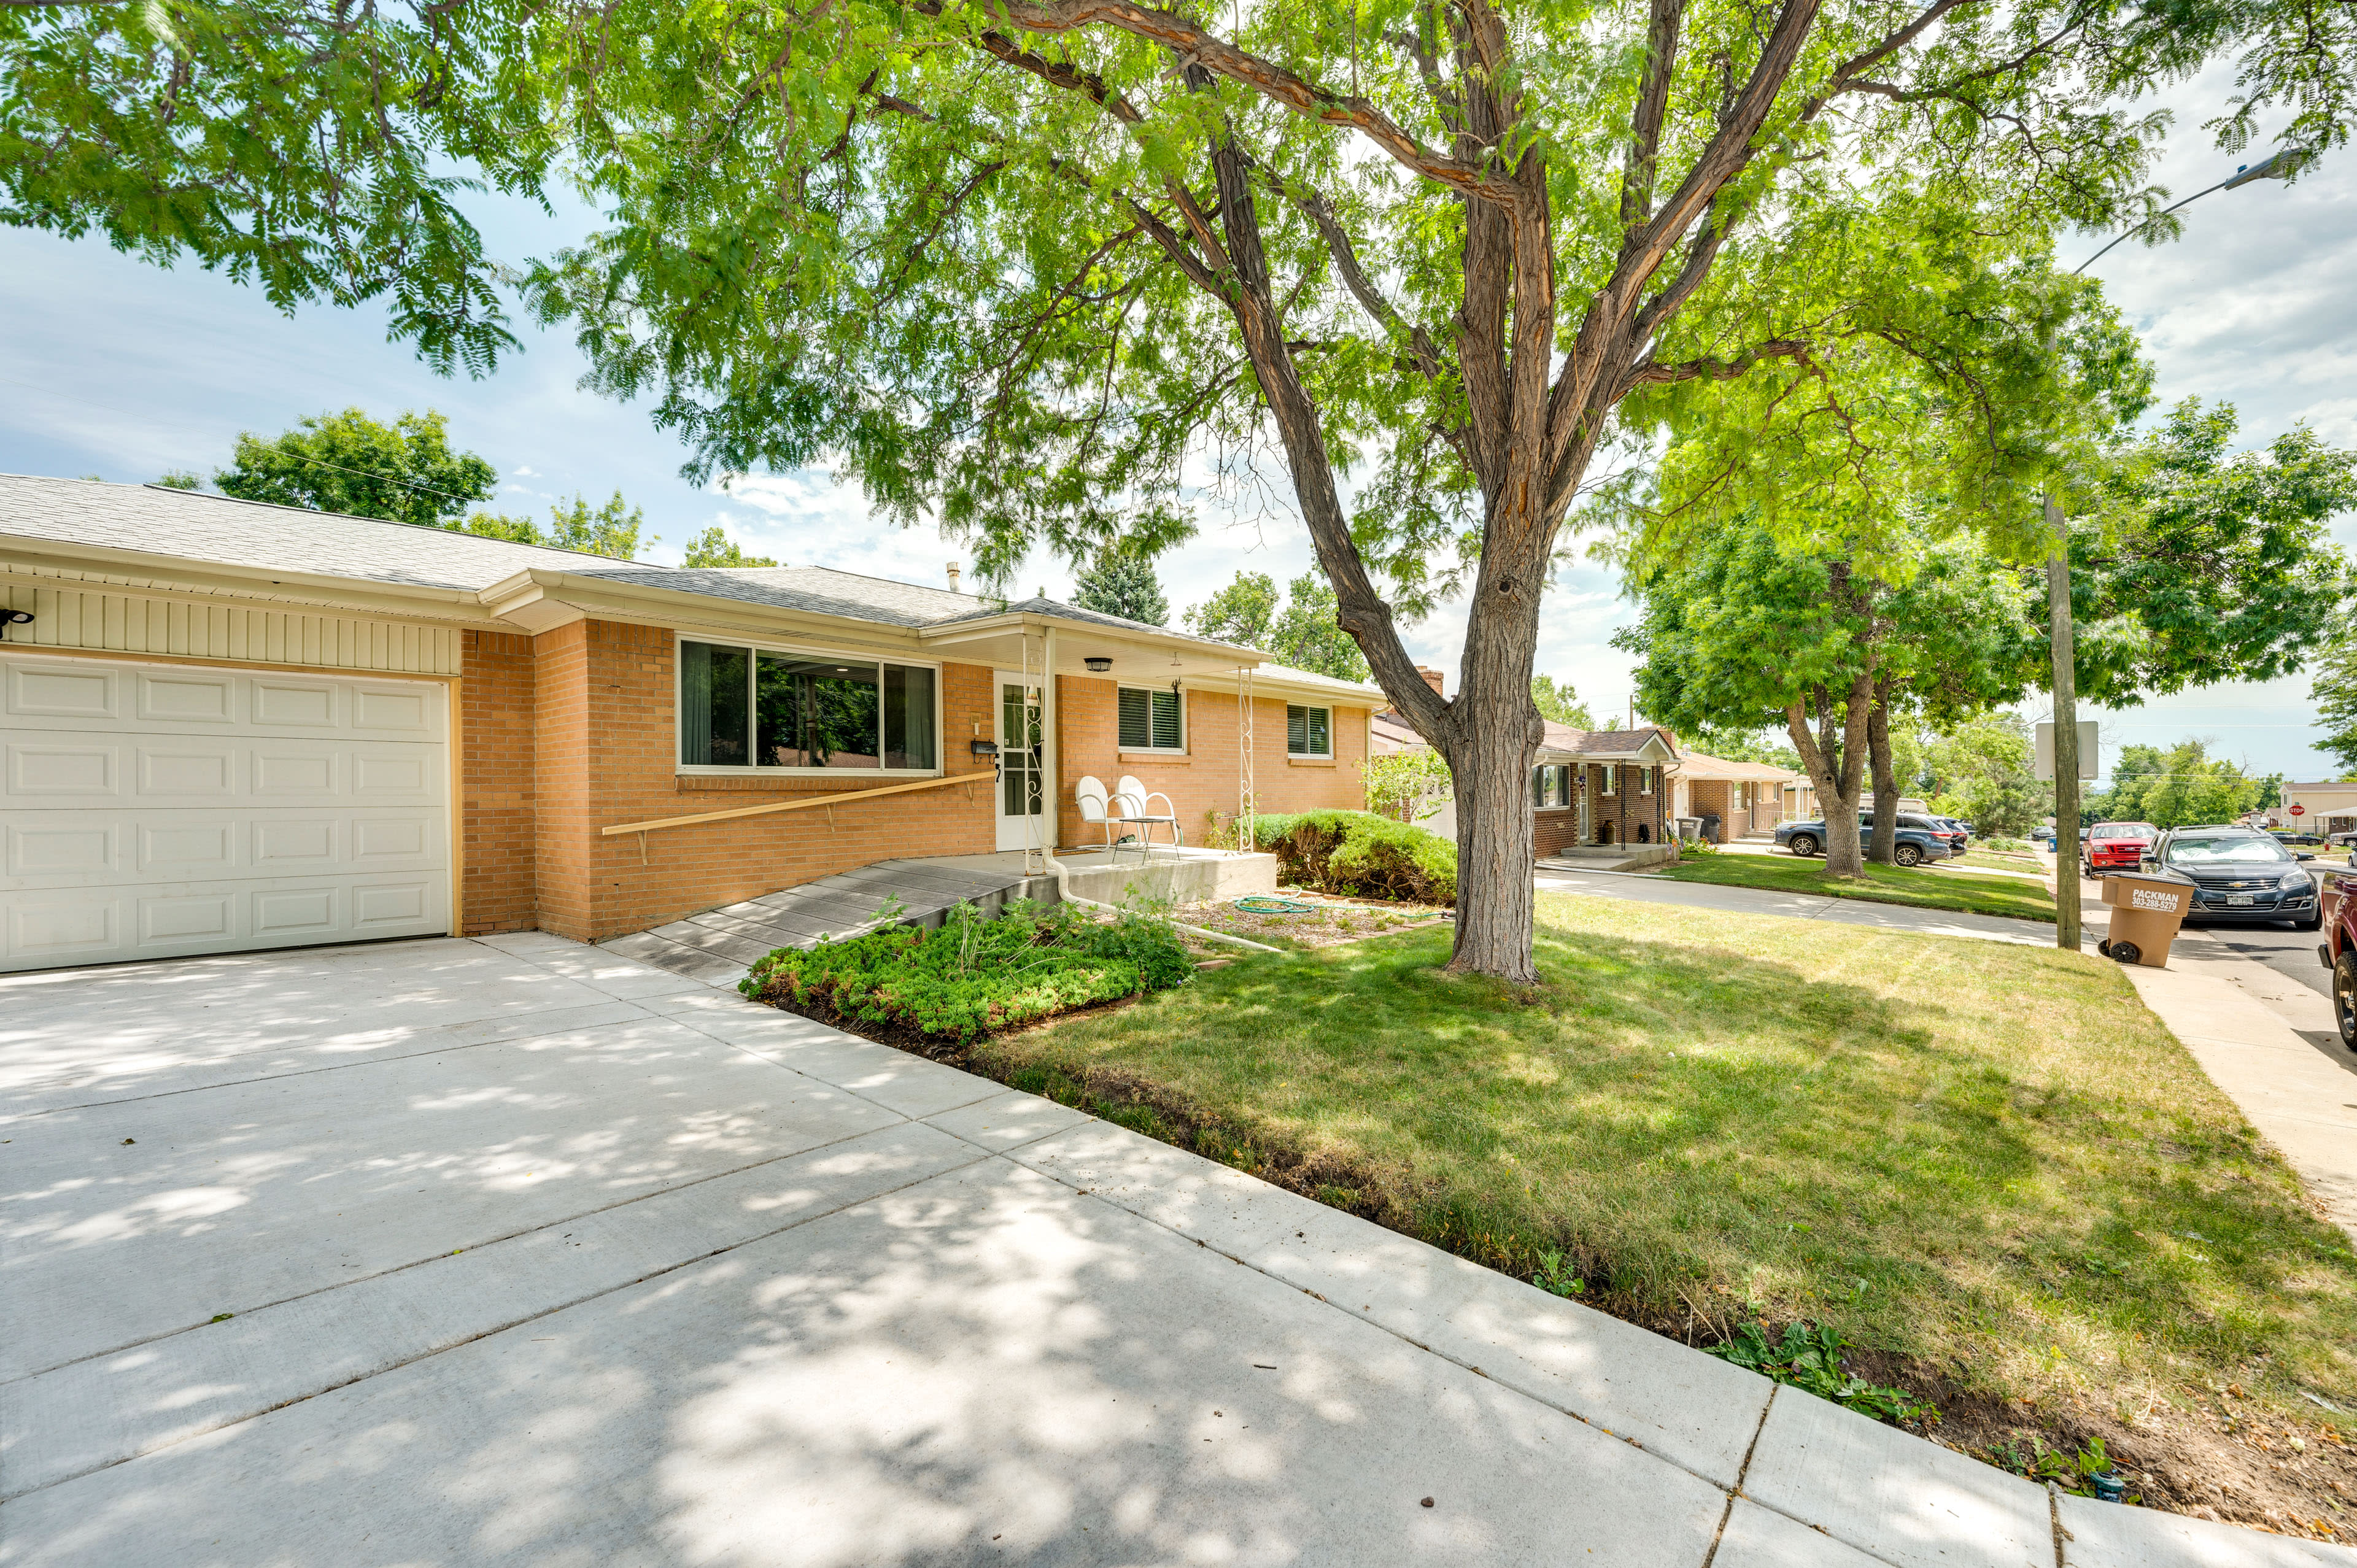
1097, 807
1133, 803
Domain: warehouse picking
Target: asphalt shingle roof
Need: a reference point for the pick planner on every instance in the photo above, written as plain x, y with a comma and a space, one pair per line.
254, 533
816, 589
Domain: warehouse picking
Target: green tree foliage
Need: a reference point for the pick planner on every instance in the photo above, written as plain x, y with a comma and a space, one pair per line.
317, 153
611, 530
1560, 703
347, 462
1120, 582
1738, 633
713, 547
1307, 635
1299, 629
1240, 613
2204, 565
2183, 786
1984, 769
180, 479
1406, 785
2332, 687
1745, 746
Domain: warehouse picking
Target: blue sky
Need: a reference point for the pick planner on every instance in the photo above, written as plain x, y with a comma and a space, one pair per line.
112, 367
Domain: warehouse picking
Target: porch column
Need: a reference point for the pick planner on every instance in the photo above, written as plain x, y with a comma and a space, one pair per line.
1052, 813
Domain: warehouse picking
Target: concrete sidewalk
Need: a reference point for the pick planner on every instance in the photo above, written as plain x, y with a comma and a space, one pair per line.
519, 1253
1817, 907
2271, 1044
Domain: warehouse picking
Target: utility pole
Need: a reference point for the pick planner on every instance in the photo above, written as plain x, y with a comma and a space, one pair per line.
2066, 730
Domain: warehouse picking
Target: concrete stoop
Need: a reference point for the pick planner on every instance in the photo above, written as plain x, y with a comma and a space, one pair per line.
718, 946
1610, 857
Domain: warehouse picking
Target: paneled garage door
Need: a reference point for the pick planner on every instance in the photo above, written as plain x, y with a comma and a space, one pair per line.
153, 809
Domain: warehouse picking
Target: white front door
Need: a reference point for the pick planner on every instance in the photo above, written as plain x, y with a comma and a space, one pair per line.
152, 810
1021, 822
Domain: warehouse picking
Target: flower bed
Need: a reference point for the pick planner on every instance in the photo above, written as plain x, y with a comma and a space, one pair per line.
973, 977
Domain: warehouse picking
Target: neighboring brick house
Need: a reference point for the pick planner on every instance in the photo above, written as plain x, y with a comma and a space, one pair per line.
232, 725
1746, 797
1587, 787
1602, 787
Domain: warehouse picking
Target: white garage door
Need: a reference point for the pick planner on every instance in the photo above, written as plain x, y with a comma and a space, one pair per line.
153, 809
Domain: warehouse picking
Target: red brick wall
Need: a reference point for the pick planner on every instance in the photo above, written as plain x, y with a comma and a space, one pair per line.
607, 757
1555, 829
497, 785
1205, 780
1623, 811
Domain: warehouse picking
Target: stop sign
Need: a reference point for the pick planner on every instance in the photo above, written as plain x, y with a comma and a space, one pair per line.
2299, 810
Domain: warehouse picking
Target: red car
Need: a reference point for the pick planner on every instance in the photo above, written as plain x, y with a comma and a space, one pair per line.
2339, 950
2116, 846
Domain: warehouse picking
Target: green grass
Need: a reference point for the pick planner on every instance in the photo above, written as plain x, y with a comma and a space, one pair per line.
2026, 865
1985, 1160
1881, 884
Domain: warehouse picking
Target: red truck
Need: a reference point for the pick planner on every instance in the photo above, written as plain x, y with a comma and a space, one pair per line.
2116, 846
2339, 949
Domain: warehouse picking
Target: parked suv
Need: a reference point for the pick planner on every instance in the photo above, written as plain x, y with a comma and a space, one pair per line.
2240, 875
1919, 841
2116, 846
2338, 951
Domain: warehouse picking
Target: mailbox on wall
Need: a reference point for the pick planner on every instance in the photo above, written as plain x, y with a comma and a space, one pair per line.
985, 748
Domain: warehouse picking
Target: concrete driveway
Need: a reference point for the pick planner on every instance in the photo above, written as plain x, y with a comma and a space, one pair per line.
515, 1252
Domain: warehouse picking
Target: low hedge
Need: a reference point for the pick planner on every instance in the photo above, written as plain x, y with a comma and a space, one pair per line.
1361, 855
973, 976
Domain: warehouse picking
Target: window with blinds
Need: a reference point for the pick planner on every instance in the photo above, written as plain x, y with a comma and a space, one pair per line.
1151, 720
1308, 732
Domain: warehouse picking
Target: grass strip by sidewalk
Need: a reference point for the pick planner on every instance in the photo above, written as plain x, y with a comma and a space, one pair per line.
1988, 1163
1924, 889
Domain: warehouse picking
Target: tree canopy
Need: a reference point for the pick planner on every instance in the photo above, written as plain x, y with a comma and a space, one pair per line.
1119, 583
347, 462
1298, 628
1560, 703
713, 547
2180, 786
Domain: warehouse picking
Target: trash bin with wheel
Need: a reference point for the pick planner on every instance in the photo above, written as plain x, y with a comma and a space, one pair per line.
2146, 913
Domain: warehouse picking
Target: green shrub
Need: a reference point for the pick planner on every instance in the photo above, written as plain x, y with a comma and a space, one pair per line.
974, 976
1360, 853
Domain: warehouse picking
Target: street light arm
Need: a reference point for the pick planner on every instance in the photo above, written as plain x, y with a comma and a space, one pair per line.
2280, 164
2146, 223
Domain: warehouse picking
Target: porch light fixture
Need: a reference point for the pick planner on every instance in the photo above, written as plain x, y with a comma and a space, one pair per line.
1098, 664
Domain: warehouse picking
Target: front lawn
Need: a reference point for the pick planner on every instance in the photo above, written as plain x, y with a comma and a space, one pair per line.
1881, 884
1986, 1164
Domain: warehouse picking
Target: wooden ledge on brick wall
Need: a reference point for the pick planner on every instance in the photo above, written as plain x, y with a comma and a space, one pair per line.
1156, 758
1309, 762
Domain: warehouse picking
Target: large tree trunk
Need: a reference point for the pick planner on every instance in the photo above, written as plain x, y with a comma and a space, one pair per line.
1886, 781
1492, 765
1836, 768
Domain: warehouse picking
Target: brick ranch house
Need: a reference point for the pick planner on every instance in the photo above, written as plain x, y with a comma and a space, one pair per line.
1747, 796
1587, 787
231, 725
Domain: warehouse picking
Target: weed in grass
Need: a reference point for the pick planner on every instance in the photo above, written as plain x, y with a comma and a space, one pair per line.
1556, 1277
1809, 1359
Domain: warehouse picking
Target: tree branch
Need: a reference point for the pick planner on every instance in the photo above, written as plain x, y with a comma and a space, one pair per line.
1194, 46
1653, 106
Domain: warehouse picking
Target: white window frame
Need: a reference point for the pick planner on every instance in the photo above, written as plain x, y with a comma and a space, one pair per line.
796, 650
1644, 781
1325, 755
1562, 789
1125, 748
1611, 783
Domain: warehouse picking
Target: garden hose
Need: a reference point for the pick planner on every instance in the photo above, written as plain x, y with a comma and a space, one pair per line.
1262, 904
